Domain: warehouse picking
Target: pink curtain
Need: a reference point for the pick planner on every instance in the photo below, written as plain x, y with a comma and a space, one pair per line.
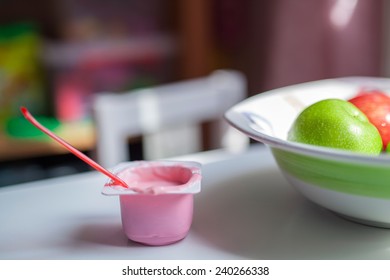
298, 41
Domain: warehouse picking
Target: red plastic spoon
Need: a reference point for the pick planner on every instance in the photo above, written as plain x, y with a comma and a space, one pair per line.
72, 149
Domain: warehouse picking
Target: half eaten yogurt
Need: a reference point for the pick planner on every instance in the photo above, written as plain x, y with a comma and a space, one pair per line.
157, 208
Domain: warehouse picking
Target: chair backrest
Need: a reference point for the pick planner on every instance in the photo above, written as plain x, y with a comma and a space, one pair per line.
144, 111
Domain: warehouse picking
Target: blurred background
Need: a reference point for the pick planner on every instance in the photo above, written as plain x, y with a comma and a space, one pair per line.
56, 54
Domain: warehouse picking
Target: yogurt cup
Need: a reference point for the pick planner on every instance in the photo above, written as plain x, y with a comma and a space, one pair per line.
157, 208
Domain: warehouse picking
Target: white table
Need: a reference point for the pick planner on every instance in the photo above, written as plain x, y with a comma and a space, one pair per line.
246, 210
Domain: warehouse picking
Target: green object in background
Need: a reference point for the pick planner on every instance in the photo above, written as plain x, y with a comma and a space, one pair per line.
19, 127
12, 31
21, 79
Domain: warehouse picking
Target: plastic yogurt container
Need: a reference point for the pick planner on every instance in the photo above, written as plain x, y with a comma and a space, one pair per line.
157, 208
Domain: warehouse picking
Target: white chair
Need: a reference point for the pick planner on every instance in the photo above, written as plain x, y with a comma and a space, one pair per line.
151, 110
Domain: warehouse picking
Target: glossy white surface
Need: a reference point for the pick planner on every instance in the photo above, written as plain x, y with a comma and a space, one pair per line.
246, 210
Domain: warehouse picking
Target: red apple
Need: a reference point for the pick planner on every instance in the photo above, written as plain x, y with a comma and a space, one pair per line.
376, 106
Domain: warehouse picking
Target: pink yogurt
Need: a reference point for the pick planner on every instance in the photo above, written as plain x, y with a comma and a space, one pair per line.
157, 209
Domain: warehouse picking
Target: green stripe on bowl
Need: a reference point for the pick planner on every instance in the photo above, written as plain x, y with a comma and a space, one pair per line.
353, 178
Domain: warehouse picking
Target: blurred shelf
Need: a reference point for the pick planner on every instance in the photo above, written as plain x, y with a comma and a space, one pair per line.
81, 135
186, 34
62, 55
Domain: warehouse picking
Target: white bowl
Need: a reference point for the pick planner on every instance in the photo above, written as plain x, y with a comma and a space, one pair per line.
353, 185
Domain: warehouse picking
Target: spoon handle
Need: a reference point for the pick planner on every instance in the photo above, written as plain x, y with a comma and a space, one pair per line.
72, 149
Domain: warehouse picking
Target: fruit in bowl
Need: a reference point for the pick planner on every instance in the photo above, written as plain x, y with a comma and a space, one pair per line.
375, 104
352, 184
336, 123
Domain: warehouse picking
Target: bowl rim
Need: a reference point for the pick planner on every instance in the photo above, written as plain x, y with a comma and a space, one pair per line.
241, 122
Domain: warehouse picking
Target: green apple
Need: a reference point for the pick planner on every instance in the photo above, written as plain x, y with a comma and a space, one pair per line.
336, 123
